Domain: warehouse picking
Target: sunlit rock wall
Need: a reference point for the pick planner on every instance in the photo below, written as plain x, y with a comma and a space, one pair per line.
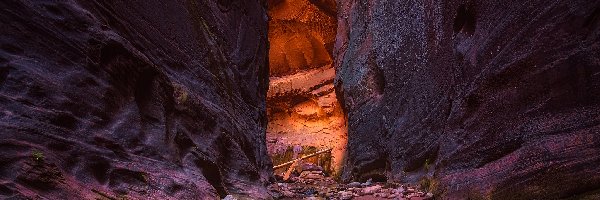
133, 99
302, 105
301, 35
493, 99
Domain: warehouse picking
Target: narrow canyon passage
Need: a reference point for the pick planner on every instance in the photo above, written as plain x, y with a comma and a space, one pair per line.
211, 99
302, 107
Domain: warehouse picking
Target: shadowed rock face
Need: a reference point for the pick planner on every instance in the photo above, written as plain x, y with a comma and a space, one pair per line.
146, 99
495, 99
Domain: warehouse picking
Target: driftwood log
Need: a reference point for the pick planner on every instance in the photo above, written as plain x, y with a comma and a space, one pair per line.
295, 162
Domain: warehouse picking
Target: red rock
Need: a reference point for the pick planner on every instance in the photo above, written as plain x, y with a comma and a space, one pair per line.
371, 189
310, 167
345, 195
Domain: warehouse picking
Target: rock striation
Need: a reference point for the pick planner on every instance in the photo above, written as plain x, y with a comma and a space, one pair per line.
492, 99
302, 106
133, 99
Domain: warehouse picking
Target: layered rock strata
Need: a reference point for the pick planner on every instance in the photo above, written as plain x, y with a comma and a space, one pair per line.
302, 106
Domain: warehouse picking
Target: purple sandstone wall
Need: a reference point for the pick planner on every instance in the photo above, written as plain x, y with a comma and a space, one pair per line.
137, 99
496, 99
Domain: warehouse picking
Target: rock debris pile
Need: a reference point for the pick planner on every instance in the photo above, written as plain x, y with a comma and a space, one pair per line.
312, 183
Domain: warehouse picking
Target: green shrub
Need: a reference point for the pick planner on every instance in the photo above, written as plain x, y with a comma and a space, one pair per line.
37, 156
180, 93
429, 184
427, 165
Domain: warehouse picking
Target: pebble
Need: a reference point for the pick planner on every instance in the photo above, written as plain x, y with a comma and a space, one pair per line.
346, 195
371, 189
382, 195
399, 190
229, 197
353, 185
368, 183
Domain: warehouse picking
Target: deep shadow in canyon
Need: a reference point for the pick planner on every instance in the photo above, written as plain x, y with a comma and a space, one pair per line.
168, 99
487, 99
137, 100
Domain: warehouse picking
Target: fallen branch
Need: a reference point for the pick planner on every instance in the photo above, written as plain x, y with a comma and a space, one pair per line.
287, 174
302, 158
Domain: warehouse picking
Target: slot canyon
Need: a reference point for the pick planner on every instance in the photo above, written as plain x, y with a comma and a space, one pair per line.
302, 107
299, 99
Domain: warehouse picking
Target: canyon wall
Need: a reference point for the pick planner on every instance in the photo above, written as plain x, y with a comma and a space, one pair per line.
301, 103
492, 99
133, 99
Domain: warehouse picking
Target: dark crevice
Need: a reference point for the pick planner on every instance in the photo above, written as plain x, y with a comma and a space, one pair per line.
379, 81
375, 169
54, 9
422, 161
183, 142
6, 190
377, 76
211, 172
339, 94
3, 75
274, 3
116, 148
327, 6
592, 20
65, 120
465, 20
144, 94
12, 49
123, 179
225, 5
494, 153
99, 167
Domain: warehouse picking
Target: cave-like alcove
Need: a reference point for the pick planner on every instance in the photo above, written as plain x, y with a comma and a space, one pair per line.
302, 107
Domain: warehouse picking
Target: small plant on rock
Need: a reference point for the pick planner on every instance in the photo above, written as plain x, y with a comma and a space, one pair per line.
427, 165
144, 177
429, 184
37, 156
181, 94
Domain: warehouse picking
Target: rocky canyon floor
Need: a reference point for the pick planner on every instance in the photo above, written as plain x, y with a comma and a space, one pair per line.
310, 182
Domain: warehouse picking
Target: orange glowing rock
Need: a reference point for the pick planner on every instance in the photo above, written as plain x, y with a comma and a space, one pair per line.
301, 102
301, 36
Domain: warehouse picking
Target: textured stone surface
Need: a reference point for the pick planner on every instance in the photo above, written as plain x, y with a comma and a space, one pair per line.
302, 107
494, 98
138, 99
301, 35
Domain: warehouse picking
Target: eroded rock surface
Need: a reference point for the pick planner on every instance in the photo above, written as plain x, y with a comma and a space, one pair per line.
495, 99
301, 35
301, 103
136, 99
